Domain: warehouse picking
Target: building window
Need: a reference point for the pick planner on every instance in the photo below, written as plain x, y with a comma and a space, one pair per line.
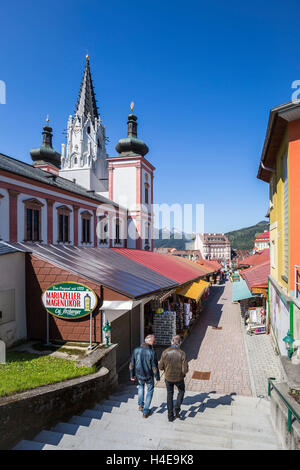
147, 236
117, 232
103, 235
271, 190
146, 193
63, 213
33, 209
273, 254
285, 215
86, 227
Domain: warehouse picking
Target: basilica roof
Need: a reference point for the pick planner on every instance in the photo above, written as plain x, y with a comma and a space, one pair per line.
28, 171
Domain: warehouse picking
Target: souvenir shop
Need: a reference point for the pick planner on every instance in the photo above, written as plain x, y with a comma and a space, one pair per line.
253, 311
175, 312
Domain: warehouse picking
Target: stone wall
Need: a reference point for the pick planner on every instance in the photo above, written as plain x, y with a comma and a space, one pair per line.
25, 414
164, 327
279, 418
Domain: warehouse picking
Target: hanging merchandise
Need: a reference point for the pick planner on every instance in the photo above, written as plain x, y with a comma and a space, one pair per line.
178, 308
187, 311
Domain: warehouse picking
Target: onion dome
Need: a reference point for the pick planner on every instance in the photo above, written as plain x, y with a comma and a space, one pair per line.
131, 144
46, 153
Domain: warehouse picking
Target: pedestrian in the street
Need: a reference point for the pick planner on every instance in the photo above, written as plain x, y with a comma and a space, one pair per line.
144, 367
174, 363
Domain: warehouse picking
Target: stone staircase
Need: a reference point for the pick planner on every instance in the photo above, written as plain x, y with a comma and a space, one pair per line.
210, 421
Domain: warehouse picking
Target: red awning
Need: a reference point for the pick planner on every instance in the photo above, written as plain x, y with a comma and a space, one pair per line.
170, 266
256, 259
257, 276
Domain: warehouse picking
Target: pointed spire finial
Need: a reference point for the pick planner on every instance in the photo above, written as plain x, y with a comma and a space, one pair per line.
47, 119
132, 105
86, 104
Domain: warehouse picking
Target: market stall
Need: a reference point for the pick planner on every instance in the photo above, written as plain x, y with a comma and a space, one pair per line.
176, 312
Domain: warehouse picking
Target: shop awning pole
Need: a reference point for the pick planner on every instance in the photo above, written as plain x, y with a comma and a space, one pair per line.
47, 334
91, 324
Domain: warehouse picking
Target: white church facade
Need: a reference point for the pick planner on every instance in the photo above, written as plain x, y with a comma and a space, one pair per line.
81, 197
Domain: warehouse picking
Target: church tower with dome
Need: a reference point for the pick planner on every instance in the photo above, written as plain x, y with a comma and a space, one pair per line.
131, 185
83, 160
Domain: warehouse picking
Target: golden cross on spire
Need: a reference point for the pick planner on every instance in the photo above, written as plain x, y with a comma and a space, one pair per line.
47, 119
132, 105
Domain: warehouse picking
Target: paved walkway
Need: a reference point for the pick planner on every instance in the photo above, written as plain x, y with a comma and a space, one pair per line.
238, 363
263, 362
218, 351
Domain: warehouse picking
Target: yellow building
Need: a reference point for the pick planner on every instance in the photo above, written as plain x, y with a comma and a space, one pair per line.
280, 168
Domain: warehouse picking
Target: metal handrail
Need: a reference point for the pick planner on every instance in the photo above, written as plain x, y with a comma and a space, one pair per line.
291, 411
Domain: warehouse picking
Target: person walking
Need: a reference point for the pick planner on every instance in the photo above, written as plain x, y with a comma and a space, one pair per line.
174, 363
144, 367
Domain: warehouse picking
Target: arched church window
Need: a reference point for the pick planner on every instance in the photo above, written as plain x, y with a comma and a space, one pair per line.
33, 208
147, 236
103, 235
63, 225
86, 227
117, 232
146, 193
88, 130
75, 161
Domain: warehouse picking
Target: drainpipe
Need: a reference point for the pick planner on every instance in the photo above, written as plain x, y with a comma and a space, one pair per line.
272, 170
292, 320
269, 316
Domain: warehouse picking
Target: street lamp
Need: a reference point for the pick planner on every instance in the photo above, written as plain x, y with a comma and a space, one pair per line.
288, 339
107, 333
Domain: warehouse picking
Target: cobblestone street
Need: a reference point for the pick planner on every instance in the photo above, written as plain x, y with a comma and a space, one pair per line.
263, 362
237, 363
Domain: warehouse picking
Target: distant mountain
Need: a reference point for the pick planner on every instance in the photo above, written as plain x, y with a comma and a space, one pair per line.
174, 238
243, 239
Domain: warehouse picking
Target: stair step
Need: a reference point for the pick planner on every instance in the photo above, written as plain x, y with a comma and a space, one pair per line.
202, 434
224, 414
67, 428
96, 441
49, 437
171, 444
199, 429
263, 406
80, 420
32, 445
262, 409
205, 420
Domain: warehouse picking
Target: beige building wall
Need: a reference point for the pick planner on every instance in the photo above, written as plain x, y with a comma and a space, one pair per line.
12, 298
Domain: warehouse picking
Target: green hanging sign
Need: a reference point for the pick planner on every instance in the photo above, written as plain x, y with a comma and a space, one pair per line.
69, 300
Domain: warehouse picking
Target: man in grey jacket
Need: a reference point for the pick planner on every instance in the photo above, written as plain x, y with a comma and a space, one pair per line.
174, 363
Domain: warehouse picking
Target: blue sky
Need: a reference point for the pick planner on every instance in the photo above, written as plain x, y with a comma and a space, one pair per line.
203, 76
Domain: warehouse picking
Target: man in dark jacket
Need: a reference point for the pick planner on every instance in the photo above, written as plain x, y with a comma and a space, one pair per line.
174, 363
144, 367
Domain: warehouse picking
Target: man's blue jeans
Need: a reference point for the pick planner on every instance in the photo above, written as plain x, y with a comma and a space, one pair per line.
141, 390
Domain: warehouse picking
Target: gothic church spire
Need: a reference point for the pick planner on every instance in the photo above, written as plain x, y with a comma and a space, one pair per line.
86, 104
